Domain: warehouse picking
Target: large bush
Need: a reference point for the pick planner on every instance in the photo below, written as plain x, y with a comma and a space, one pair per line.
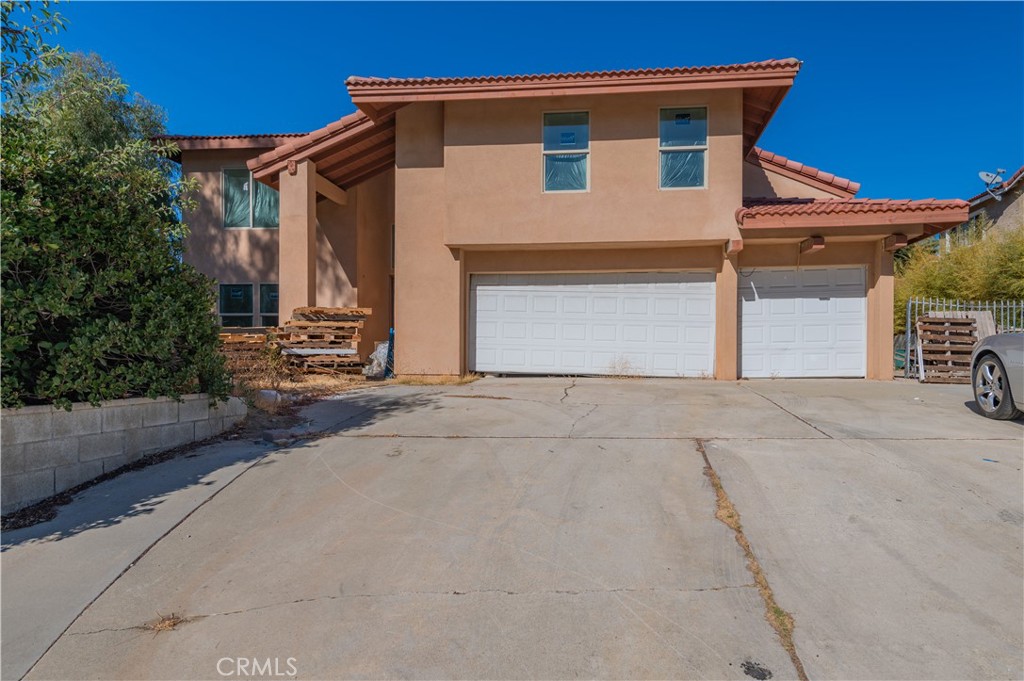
981, 264
97, 303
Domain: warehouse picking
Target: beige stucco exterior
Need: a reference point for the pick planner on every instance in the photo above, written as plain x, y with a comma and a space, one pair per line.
760, 182
351, 249
465, 196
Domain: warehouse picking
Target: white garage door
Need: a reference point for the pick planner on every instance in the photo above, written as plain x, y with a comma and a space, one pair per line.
810, 321
643, 324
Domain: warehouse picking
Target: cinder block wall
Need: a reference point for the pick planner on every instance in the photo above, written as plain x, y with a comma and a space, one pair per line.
44, 450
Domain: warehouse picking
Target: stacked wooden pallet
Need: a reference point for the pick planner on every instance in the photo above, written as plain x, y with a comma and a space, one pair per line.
944, 345
242, 348
323, 339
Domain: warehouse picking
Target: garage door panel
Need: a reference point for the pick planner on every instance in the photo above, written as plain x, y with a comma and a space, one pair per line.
574, 305
545, 304
659, 324
853, 277
806, 322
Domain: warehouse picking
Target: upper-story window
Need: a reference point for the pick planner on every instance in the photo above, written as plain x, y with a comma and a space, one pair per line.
248, 203
683, 147
566, 152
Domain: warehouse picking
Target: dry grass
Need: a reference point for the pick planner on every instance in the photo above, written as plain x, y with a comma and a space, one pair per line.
165, 623
780, 620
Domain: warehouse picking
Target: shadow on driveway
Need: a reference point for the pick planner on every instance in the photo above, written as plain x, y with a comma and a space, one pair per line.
140, 491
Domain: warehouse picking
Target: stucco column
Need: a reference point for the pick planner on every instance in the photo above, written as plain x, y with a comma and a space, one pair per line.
726, 319
880, 319
297, 273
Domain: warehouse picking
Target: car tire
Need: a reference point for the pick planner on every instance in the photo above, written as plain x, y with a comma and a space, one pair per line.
992, 390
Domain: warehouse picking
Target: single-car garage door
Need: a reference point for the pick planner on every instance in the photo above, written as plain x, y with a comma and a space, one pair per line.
640, 323
810, 321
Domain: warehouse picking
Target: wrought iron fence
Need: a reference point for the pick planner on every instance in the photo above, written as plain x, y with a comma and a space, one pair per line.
1007, 314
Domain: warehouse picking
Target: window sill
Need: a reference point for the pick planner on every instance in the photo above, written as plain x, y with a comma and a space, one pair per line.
681, 189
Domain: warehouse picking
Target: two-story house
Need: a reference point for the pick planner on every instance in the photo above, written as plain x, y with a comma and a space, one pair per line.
620, 222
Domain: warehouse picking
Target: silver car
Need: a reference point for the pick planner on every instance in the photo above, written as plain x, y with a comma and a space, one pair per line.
997, 374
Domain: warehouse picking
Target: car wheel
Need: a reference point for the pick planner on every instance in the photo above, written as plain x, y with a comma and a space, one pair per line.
992, 390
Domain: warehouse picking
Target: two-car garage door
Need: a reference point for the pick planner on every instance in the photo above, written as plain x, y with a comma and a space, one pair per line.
792, 322
635, 323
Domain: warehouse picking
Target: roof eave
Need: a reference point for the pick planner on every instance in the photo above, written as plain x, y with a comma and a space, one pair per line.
376, 94
943, 218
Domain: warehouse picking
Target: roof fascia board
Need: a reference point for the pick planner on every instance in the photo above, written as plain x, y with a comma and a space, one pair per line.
350, 135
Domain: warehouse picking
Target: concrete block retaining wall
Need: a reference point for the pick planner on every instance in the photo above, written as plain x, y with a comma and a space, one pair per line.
44, 450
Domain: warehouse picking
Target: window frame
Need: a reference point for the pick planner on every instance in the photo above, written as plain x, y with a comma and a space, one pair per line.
251, 315
545, 153
706, 147
258, 309
252, 198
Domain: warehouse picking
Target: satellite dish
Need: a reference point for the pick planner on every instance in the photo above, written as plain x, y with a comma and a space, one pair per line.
992, 181
990, 178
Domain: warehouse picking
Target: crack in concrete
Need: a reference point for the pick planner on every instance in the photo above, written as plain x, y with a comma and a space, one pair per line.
725, 511
405, 594
580, 418
566, 390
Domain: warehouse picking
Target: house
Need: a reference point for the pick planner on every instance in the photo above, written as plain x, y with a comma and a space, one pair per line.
1002, 205
619, 222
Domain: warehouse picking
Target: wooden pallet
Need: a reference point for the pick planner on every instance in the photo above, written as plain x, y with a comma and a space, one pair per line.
944, 346
335, 329
331, 314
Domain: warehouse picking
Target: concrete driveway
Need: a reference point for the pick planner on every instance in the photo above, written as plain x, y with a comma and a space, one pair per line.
558, 528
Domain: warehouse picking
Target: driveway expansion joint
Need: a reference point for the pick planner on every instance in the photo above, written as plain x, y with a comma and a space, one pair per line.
798, 418
780, 620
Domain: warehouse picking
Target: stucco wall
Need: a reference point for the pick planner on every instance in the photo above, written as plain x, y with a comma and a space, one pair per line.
493, 169
48, 450
231, 256
1008, 213
428, 291
353, 242
375, 216
764, 183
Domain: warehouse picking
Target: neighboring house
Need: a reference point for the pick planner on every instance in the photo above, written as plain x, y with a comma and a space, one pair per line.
1006, 212
619, 222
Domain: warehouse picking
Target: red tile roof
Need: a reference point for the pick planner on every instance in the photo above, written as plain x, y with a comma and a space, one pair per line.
764, 84
203, 142
770, 65
229, 137
979, 198
828, 182
775, 214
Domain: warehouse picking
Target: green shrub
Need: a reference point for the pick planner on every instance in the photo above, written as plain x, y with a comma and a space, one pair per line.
986, 264
96, 302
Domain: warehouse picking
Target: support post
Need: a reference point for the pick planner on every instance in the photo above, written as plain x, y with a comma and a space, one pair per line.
880, 315
297, 234
727, 318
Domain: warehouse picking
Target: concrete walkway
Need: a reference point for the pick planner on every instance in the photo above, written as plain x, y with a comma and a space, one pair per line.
551, 528
52, 571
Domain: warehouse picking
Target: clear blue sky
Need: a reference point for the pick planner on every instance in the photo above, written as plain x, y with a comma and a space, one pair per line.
910, 99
